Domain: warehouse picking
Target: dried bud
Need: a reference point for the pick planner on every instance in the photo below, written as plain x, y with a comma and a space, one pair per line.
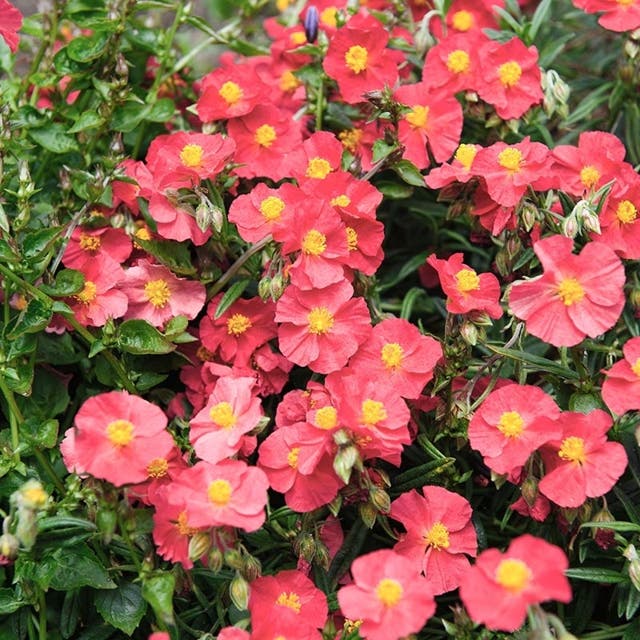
9, 546
277, 286
529, 490
106, 521
30, 496
604, 538
199, 545
239, 592
305, 546
346, 458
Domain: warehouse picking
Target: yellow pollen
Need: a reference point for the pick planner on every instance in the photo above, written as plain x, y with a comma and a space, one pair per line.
391, 355
290, 600
292, 457
318, 168
314, 243
437, 537
626, 3
462, 20
342, 200
326, 418
298, 38
89, 243
182, 525
514, 575
509, 73
265, 135
589, 176
288, 82
230, 92
467, 280
510, 159
356, 58
142, 234
372, 412
158, 468
389, 592
626, 212
328, 17
157, 292
88, 293
20, 302
320, 320
572, 449
281, 5
36, 496
350, 626
352, 239
222, 415
458, 61
120, 432
511, 424
570, 291
191, 155
237, 324
271, 208
219, 492
636, 367
350, 139
418, 117
465, 155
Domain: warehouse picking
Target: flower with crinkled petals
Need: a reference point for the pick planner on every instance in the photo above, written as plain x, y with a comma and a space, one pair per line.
617, 15
581, 463
576, 296
229, 493
115, 437
511, 423
390, 597
620, 222
398, 355
10, 24
439, 535
621, 387
459, 169
467, 290
321, 328
317, 158
156, 294
86, 244
499, 588
468, 17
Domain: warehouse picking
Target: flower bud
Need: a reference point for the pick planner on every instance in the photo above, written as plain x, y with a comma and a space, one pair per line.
529, 215
199, 545
469, 333
379, 498
604, 538
239, 592
233, 559
368, 514
264, 288
277, 286
215, 559
106, 520
305, 546
9, 546
311, 24
252, 568
529, 490
570, 226
31, 496
346, 458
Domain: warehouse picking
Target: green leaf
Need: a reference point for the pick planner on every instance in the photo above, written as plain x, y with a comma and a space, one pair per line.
540, 17
37, 243
409, 173
161, 111
43, 435
174, 255
127, 117
230, 296
87, 48
381, 150
35, 317
49, 397
69, 615
615, 525
19, 377
537, 363
584, 402
75, 567
57, 350
140, 338
123, 607
176, 326
157, 590
87, 120
21, 346
595, 574
394, 190
9, 602
54, 138
67, 282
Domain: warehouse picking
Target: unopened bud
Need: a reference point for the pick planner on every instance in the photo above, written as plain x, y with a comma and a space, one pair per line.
215, 560
277, 286
368, 514
27, 528
322, 557
9, 546
570, 226
239, 592
529, 215
233, 558
252, 568
346, 458
305, 546
311, 24
469, 333
604, 537
31, 496
199, 545
106, 521
264, 288
379, 498
529, 490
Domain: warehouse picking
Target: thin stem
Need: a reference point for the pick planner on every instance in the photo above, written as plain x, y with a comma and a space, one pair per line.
15, 416
42, 622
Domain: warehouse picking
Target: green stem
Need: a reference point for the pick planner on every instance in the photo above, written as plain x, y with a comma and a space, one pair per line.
42, 624
15, 416
319, 98
50, 471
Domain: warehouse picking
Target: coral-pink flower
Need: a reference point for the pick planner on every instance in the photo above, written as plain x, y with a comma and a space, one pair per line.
621, 387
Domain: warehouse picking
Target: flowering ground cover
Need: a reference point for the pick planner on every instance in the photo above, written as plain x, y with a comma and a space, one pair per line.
322, 323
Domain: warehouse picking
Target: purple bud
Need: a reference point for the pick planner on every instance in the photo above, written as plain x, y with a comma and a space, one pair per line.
311, 24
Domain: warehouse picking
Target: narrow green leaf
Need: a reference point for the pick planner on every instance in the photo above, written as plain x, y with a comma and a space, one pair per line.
35, 317
409, 173
596, 574
37, 243
157, 590
87, 120
615, 525
537, 362
9, 602
230, 296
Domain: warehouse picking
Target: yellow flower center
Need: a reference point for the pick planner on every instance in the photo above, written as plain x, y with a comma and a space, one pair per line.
222, 415
265, 135
352, 239
391, 355
572, 449
89, 243
271, 208
589, 176
467, 280
88, 293
458, 61
290, 600
350, 139
418, 117
509, 73
372, 412
120, 432
237, 324
314, 243
158, 468
219, 492
318, 168
182, 525
328, 17
636, 367
36, 496
298, 38
320, 320
292, 457
281, 5
326, 418
465, 155
626, 212
142, 234
510, 159
462, 20
514, 575
157, 292
570, 291
437, 537
511, 424
389, 592
230, 92
288, 82
626, 3
356, 58
191, 155
342, 200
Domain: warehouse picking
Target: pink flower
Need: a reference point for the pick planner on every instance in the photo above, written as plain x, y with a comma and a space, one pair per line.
10, 24
621, 387
618, 15
87, 244
388, 595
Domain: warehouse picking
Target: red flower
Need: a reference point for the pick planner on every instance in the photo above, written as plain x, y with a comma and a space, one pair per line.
466, 290
618, 15
439, 533
499, 588
576, 296
621, 387
318, 157
10, 24
620, 224
582, 463
388, 595
458, 170
86, 244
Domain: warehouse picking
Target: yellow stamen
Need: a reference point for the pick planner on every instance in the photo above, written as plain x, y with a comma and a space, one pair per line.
326, 418
290, 600
222, 415
636, 367
509, 73
230, 92
510, 159
191, 155
183, 526
514, 575
458, 61
462, 20
467, 280
391, 355
88, 293
465, 155
328, 17
120, 432
389, 592
356, 58
437, 537
372, 412
237, 324
318, 168
350, 139
219, 492
288, 82
511, 424
418, 117
157, 292
589, 176
265, 135
158, 468
626, 212
292, 457
89, 243
352, 239
320, 320
570, 291
314, 243
271, 208
572, 449
342, 200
